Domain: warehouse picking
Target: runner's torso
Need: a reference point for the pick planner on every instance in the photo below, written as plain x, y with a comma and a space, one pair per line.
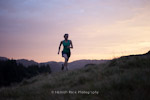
66, 44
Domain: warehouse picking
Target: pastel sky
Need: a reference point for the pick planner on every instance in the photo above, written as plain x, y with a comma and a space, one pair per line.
99, 29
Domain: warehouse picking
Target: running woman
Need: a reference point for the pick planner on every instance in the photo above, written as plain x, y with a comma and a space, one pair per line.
67, 44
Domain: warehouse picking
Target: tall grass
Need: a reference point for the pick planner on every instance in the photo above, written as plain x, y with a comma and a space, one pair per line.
125, 78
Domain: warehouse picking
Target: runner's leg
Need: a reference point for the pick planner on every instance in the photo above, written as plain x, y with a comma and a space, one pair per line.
66, 61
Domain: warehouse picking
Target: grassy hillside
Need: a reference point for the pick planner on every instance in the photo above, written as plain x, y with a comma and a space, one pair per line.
125, 78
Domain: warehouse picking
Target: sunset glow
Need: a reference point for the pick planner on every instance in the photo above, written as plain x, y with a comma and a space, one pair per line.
99, 29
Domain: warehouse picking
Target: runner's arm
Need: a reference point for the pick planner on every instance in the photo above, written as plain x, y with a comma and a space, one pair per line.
59, 47
71, 44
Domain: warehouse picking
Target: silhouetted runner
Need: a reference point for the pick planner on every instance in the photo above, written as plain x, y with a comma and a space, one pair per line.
67, 44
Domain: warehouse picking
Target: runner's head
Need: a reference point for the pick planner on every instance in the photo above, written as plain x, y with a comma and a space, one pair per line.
66, 36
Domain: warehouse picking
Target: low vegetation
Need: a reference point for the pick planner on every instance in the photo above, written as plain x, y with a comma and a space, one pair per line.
125, 78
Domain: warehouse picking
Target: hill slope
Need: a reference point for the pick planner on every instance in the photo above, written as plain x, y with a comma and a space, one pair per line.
125, 78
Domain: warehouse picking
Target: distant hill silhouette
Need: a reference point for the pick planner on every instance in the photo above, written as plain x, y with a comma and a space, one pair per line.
3, 58
148, 53
26, 62
56, 66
